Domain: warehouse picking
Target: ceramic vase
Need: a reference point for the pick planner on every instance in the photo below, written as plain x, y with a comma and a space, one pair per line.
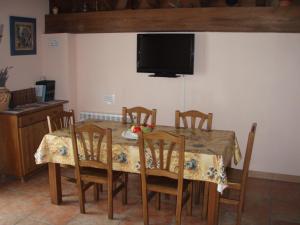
4, 98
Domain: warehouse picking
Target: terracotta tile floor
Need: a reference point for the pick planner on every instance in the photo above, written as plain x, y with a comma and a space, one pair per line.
267, 203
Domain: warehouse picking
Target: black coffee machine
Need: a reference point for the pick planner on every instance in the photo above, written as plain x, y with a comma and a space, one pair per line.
47, 90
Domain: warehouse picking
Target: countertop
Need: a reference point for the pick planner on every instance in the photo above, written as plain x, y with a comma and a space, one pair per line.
33, 107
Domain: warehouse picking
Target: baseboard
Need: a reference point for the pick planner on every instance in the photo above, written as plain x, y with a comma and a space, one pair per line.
274, 176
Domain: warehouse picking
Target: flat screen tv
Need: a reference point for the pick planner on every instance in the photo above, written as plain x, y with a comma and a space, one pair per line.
165, 55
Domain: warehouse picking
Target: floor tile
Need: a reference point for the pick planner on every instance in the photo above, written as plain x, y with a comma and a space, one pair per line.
55, 214
29, 221
282, 210
10, 219
92, 219
285, 191
280, 222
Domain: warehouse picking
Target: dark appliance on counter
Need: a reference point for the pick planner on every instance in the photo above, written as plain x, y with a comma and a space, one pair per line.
45, 90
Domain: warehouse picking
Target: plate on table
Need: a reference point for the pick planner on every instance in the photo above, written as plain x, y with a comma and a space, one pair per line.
129, 135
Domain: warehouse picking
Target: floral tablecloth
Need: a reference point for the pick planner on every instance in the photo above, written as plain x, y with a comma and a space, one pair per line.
207, 153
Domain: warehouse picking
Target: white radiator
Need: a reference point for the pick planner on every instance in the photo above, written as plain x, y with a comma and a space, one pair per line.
99, 116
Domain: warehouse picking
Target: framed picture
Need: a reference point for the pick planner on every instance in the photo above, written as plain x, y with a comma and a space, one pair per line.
22, 36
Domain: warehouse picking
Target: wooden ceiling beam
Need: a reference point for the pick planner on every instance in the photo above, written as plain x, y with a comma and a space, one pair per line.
218, 19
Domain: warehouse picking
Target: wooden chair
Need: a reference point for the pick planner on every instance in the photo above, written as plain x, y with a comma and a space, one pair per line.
237, 179
91, 168
197, 120
193, 115
139, 115
61, 120
157, 177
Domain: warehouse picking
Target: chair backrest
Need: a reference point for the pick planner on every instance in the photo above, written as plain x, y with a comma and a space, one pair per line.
248, 154
60, 120
139, 115
90, 137
156, 149
194, 116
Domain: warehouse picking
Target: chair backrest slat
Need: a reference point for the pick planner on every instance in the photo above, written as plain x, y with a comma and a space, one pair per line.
131, 116
185, 123
194, 116
84, 147
152, 151
98, 155
91, 142
161, 154
168, 163
248, 154
139, 115
193, 122
146, 118
201, 123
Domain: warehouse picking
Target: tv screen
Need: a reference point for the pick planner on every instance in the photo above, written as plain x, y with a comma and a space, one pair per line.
165, 54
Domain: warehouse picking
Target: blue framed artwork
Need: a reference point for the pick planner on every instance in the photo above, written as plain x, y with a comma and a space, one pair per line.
22, 35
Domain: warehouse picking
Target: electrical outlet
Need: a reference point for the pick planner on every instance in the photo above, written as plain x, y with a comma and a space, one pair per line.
109, 99
53, 43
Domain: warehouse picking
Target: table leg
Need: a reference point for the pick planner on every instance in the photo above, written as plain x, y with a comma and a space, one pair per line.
213, 205
55, 183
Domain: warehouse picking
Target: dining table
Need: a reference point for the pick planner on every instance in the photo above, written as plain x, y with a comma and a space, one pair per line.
207, 154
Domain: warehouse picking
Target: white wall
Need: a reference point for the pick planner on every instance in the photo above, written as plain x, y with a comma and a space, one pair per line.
59, 64
240, 77
27, 69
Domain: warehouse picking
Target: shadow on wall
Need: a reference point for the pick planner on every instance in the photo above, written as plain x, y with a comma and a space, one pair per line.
200, 64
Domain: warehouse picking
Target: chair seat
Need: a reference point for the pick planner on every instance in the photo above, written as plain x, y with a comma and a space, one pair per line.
164, 185
68, 173
97, 175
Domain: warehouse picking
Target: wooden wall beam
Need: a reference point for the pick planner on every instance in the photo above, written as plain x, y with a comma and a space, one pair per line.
222, 19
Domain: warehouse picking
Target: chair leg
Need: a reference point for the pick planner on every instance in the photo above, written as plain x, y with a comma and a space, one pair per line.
178, 210
141, 188
167, 196
145, 206
96, 192
243, 206
81, 196
190, 200
197, 187
205, 200
239, 214
110, 199
158, 201
124, 191
242, 199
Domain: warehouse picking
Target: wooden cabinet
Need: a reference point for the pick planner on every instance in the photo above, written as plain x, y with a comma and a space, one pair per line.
20, 136
30, 139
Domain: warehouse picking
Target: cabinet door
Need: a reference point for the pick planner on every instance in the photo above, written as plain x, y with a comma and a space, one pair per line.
30, 139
